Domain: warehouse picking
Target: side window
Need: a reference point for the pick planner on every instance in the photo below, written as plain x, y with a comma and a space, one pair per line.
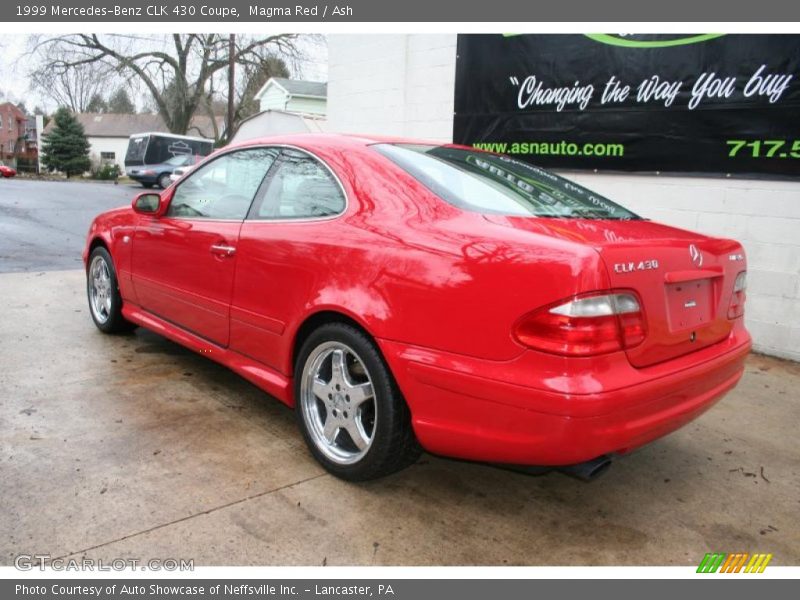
224, 188
300, 187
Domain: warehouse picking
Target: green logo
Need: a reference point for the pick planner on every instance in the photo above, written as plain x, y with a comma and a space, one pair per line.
628, 42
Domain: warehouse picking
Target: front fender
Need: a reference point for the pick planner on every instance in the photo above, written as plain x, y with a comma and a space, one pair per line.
114, 230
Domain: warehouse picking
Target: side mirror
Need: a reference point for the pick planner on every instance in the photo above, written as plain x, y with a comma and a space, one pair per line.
148, 203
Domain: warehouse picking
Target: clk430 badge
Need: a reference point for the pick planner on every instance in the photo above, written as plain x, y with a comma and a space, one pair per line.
630, 267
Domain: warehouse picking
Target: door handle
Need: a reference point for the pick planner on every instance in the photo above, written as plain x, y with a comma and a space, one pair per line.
223, 250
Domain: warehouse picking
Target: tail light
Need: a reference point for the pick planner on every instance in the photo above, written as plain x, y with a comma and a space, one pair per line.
736, 307
586, 325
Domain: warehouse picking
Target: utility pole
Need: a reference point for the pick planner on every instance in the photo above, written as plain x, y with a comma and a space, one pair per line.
231, 67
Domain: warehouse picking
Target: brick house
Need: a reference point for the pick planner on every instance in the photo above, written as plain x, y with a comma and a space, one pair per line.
13, 124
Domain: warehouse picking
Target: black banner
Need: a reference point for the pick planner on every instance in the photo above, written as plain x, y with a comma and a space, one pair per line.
705, 103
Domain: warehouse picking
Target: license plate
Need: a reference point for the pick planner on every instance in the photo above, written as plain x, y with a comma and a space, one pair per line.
689, 304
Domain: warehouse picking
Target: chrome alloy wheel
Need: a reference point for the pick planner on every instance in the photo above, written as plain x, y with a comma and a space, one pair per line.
338, 403
100, 289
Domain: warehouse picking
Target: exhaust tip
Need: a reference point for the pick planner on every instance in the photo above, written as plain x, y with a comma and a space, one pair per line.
589, 470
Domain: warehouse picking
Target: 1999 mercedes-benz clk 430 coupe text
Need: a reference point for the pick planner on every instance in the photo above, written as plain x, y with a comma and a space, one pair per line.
403, 295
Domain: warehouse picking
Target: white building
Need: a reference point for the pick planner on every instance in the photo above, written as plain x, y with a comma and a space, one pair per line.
108, 133
278, 122
294, 96
404, 85
287, 106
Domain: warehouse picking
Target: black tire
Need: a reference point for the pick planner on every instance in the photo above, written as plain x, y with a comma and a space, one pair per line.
111, 321
394, 445
147, 185
164, 181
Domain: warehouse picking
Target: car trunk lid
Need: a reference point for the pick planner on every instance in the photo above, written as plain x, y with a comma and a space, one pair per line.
683, 279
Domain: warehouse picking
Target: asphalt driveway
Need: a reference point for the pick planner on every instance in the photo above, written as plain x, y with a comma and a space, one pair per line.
133, 447
43, 224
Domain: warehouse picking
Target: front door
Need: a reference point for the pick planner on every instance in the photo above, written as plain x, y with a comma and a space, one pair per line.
183, 262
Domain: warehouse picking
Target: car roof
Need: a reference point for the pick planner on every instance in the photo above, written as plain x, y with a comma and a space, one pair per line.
331, 140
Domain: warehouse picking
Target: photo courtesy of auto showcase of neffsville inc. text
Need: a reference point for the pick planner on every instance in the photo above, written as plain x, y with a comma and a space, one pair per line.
368, 301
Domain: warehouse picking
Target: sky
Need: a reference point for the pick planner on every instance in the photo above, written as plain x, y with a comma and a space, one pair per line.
13, 67
16, 64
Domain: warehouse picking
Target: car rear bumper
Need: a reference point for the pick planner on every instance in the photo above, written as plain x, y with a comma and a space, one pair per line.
461, 409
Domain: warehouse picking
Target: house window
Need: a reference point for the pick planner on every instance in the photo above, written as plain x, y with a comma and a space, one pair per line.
107, 155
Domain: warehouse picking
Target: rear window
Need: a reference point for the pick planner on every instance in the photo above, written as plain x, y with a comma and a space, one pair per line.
496, 184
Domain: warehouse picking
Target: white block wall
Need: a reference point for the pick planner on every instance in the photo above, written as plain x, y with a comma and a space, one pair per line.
392, 84
404, 85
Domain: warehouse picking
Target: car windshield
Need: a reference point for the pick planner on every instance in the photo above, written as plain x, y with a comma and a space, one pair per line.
136, 148
497, 184
178, 161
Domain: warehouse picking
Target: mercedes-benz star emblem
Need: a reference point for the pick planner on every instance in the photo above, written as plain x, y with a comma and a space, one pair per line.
697, 257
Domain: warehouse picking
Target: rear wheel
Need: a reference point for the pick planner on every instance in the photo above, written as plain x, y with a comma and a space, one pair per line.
351, 413
164, 181
105, 302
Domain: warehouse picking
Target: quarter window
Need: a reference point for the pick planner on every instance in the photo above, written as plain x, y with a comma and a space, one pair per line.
300, 187
223, 188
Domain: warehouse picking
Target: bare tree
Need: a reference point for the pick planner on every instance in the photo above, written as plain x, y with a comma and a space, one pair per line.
73, 88
176, 70
249, 81
252, 80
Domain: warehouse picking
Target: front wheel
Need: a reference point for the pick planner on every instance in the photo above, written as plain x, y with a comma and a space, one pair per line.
105, 302
349, 408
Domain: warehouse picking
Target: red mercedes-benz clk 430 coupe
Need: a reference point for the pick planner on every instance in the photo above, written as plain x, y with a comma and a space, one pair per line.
404, 295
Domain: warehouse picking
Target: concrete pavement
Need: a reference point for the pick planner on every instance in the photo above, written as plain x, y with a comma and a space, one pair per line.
130, 446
